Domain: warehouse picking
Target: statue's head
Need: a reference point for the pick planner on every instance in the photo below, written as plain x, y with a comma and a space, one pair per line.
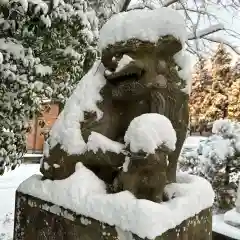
134, 67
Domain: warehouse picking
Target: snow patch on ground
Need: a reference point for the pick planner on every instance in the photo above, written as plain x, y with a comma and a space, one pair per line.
8, 185
193, 141
149, 132
85, 194
145, 25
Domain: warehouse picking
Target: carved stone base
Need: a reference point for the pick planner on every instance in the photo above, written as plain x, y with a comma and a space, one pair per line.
37, 219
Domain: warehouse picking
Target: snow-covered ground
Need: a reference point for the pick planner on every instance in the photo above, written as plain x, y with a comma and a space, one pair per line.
8, 185
193, 141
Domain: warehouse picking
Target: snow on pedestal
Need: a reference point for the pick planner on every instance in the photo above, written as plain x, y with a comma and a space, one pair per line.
150, 131
83, 193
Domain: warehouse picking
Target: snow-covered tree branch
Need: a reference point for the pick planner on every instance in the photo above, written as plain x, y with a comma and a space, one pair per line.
44, 51
202, 21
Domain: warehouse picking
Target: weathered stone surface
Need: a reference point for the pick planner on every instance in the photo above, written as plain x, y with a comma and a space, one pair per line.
145, 178
36, 219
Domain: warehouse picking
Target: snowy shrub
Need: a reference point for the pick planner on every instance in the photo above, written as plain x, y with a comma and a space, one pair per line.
218, 160
45, 48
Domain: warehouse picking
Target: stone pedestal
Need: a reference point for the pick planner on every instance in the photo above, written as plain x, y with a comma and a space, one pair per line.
36, 219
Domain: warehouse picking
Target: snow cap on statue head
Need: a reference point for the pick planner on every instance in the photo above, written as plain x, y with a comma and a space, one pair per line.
162, 30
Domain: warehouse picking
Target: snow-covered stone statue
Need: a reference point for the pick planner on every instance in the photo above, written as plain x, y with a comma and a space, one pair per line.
138, 74
112, 154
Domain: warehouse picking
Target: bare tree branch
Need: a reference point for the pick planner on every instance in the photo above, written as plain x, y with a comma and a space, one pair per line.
224, 41
197, 14
199, 11
207, 31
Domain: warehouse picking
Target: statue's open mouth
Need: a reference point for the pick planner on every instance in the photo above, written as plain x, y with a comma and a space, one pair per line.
129, 73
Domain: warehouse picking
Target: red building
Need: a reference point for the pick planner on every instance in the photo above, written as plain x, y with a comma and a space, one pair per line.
35, 138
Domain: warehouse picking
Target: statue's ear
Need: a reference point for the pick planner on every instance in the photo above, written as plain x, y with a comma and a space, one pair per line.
167, 46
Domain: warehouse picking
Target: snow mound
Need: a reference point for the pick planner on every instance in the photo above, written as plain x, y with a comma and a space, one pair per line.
97, 141
222, 126
216, 147
149, 132
9, 182
145, 25
67, 129
226, 128
85, 194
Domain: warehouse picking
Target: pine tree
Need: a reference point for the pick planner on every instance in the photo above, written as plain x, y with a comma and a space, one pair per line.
209, 98
201, 78
234, 94
45, 49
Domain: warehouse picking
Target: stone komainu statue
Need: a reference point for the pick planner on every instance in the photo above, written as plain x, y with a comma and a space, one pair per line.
149, 83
